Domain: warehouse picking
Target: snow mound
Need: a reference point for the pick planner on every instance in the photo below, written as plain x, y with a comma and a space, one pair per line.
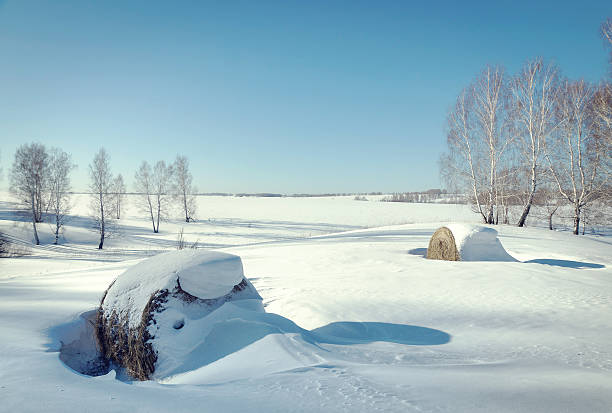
478, 243
203, 274
157, 313
462, 242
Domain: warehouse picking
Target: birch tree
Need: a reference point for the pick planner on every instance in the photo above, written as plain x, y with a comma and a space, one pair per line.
606, 34
119, 194
602, 100
461, 161
578, 158
162, 181
489, 104
28, 180
602, 111
476, 139
60, 166
143, 183
533, 97
549, 201
153, 186
100, 186
183, 187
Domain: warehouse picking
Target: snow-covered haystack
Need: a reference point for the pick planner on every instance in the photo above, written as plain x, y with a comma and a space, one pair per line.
145, 315
462, 242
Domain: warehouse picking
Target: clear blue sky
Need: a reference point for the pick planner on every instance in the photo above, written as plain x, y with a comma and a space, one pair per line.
277, 96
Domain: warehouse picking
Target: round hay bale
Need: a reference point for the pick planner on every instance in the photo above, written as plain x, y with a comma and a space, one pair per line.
462, 242
149, 316
442, 246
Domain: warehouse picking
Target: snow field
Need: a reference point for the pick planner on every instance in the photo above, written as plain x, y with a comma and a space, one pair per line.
355, 320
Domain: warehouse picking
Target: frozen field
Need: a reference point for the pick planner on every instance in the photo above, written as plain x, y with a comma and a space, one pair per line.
364, 323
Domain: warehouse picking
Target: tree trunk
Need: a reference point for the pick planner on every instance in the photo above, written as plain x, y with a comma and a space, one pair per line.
577, 221
101, 244
34, 219
185, 206
152, 217
523, 217
550, 225
57, 228
158, 213
532, 191
489, 219
102, 223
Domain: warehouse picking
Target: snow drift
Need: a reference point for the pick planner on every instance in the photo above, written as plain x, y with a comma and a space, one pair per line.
156, 311
462, 242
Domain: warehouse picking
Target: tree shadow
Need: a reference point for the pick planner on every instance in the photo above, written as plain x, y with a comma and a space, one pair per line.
350, 332
565, 263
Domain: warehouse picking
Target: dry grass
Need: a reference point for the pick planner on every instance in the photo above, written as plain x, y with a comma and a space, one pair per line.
10, 249
442, 246
131, 348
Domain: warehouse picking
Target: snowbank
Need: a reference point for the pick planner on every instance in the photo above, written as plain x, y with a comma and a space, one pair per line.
204, 275
157, 312
472, 243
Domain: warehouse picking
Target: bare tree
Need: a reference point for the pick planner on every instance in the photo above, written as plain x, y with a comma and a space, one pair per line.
602, 100
476, 140
154, 188
143, 182
460, 163
162, 181
606, 34
601, 107
578, 157
534, 92
102, 204
60, 165
489, 106
180, 240
183, 187
547, 202
28, 179
119, 194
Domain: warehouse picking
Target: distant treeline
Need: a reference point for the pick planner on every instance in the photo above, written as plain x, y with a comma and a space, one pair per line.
431, 195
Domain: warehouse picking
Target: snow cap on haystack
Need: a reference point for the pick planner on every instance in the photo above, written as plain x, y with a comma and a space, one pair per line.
463, 242
190, 283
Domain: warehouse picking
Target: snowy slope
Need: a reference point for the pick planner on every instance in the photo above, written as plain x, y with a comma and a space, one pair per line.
355, 321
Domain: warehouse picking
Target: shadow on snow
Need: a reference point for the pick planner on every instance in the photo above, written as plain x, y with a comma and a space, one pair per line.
565, 263
76, 343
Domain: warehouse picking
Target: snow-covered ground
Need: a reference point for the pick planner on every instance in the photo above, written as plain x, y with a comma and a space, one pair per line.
356, 319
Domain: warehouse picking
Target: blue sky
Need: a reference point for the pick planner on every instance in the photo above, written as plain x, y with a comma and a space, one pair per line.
276, 96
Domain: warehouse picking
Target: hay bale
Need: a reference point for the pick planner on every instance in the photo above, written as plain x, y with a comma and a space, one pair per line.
145, 314
442, 246
462, 242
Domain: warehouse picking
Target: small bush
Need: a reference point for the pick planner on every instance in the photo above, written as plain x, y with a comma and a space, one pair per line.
10, 249
3, 246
